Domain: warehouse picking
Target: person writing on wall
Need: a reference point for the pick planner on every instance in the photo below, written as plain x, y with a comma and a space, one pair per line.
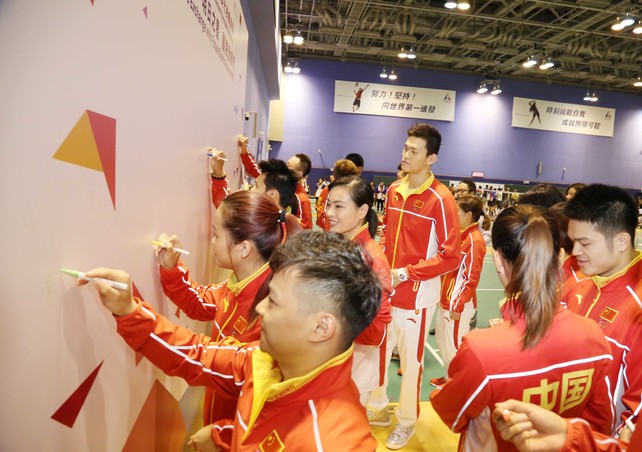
299, 163
248, 226
294, 386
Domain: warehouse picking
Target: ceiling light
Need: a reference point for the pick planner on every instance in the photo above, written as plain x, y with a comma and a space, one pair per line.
496, 89
451, 5
594, 97
532, 61
463, 5
547, 64
383, 74
288, 68
627, 20
587, 96
617, 26
482, 88
402, 53
298, 39
288, 38
296, 69
392, 75
411, 54
638, 82
638, 28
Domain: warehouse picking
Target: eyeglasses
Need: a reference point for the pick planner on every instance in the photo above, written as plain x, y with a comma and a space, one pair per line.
462, 190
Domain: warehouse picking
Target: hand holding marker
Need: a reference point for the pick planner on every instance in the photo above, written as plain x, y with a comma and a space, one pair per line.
169, 245
215, 153
82, 276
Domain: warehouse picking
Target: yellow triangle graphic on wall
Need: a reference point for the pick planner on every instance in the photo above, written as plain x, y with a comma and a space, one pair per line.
79, 148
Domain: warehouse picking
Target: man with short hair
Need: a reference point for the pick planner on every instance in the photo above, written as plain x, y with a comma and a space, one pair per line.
422, 242
294, 387
275, 178
466, 187
300, 164
357, 160
602, 222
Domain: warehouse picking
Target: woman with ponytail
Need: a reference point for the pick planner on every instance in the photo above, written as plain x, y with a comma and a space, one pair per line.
541, 354
349, 212
248, 226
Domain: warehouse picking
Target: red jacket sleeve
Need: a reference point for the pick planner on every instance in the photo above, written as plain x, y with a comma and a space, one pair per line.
250, 165
473, 261
180, 352
321, 200
219, 191
305, 210
197, 301
580, 438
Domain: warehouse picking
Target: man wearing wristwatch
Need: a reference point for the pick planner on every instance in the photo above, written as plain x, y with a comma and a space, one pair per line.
422, 242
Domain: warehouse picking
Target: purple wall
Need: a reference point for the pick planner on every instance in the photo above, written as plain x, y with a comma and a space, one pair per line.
480, 139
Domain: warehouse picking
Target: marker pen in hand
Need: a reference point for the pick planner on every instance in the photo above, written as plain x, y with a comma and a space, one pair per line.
109, 282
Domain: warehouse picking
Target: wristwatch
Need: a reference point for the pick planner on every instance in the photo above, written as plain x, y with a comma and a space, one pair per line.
402, 274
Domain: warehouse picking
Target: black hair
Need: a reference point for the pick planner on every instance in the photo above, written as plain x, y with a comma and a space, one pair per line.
305, 164
281, 178
361, 193
356, 159
339, 274
543, 195
472, 187
609, 208
428, 133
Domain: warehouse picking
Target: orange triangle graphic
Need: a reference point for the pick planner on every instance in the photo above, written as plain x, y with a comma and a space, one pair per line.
160, 425
92, 144
68, 411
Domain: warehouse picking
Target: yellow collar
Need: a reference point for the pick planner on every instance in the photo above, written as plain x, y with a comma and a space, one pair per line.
237, 286
404, 189
601, 281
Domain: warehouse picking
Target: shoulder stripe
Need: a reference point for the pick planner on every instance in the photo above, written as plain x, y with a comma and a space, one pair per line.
634, 295
315, 425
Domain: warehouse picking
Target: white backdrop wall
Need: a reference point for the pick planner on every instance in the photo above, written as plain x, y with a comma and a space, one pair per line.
150, 65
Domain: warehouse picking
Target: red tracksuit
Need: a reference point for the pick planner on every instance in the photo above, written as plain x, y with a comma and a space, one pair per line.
318, 411
304, 208
227, 305
566, 372
615, 304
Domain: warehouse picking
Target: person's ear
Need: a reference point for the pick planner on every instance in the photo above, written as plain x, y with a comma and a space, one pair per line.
621, 242
431, 159
503, 268
326, 325
273, 193
362, 211
245, 248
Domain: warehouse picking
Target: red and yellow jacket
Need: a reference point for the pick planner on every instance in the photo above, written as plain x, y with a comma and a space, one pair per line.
566, 372
615, 303
421, 235
304, 209
459, 286
227, 305
580, 438
321, 201
318, 411
375, 333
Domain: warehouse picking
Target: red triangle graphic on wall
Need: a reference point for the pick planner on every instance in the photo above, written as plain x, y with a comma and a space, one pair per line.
68, 411
104, 129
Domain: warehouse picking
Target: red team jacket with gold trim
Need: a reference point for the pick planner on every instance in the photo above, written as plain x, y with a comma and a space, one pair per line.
320, 206
227, 305
304, 209
566, 373
422, 235
459, 286
318, 411
375, 333
615, 304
